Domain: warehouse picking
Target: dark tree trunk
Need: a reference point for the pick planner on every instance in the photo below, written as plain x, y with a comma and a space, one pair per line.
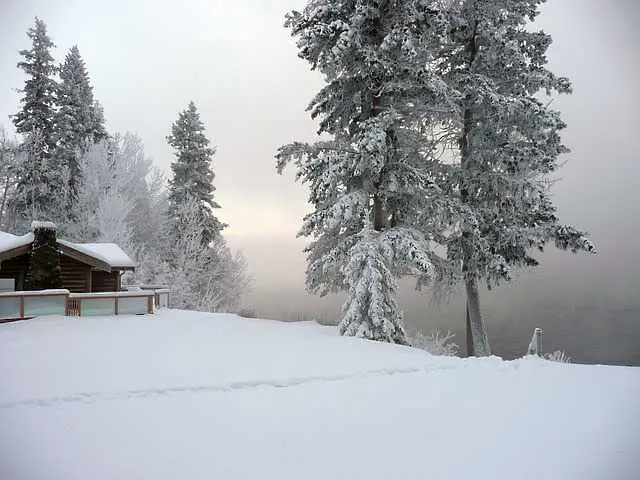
477, 340
476, 330
469, 342
379, 214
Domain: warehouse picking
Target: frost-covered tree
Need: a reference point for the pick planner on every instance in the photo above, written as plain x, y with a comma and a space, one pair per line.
38, 178
10, 160
192, 173
122, 199
78, 122
41, 186
374, 178
205, 276
113, 182
494, 68
37, 111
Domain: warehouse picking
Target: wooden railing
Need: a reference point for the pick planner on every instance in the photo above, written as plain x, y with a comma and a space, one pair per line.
162, 292
73, 307
17, 305
111, 303
20, 305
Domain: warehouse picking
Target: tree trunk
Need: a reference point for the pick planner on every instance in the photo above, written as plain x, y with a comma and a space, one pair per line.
379, 214
477, 340
475, 326
3, 204
469, 342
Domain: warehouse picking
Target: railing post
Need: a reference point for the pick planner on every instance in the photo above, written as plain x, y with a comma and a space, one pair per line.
535, 346
538, 332
21, 306
116, 305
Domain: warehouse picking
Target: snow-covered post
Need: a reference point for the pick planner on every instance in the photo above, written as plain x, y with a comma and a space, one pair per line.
535, 346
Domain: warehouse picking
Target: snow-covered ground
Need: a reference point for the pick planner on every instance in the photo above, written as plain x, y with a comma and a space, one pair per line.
185, 395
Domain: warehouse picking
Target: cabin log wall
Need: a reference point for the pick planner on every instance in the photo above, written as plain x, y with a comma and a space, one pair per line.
104, 281
15, 268
74, 274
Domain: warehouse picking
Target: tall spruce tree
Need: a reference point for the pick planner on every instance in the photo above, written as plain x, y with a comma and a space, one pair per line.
37, 112
78, 122
375, 178
494, 68
192, 173
38, 178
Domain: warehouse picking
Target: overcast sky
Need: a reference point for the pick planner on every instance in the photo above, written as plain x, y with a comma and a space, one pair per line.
234, 59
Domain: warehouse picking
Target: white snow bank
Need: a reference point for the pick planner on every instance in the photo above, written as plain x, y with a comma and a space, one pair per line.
201, 396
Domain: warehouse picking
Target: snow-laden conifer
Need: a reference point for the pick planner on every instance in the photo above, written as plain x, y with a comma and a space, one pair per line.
192, 173
372, 179
494, 67
38, 102
78, 122
39, 181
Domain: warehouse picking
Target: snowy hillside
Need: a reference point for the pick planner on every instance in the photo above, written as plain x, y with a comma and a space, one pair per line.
186, 395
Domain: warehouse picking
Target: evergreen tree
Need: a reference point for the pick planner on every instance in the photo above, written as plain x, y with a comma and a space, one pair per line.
375, 178
494, 67
192, 173
39, 93
43, 271
38, 179
79, 121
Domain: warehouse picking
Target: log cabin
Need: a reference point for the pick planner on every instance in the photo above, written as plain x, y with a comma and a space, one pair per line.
84, 267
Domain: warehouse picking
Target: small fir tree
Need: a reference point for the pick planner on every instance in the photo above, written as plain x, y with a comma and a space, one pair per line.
192, 174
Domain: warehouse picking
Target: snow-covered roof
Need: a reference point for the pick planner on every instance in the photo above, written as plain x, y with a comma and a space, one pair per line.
108, 254
9, 241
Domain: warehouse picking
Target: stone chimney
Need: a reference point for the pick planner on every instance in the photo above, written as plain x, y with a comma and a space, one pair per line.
43, 271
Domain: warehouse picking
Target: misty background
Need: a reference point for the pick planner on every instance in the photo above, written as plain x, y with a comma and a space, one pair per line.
235, 60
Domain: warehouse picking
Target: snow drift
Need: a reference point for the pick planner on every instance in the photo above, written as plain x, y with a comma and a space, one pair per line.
200, 396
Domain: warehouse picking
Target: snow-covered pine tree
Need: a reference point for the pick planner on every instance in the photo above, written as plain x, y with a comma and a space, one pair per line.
494, 67
206, 276
39, 93
371, 182
79, 121
35, 121
192, 173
